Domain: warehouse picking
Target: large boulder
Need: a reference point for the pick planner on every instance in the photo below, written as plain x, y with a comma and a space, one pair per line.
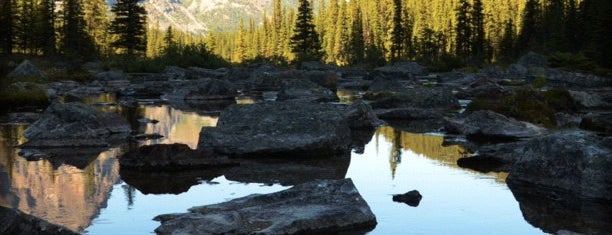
326, 206
575, 162
16, 222
203, 89
593, 99
597, 121
112, 75
487, 124
76, 125
533, 59
285, 129
416, 104
560, 78
199, 73
403, 71
172, 157
305, 90
26, 69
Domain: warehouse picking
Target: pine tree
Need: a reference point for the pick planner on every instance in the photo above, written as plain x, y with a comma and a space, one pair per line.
45, 27
554, 29
357, 45
463, 30
305, 40
169, 38
478, 42
95, 14
397, 31
506, 46
129, 25
75, 41
7, 16
528, 38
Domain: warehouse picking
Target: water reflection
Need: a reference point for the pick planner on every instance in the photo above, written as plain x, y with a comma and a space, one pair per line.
64, 195
175, 125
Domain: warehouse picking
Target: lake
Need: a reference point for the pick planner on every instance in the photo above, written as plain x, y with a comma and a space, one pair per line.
86, 191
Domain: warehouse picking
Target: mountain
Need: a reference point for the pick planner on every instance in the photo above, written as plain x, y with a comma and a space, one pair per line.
202, 16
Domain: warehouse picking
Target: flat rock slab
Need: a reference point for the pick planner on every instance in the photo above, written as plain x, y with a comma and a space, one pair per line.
76, 125
170, 157
326, 206
488, 124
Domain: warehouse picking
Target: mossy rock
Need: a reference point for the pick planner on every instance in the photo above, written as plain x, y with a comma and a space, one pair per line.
528, 105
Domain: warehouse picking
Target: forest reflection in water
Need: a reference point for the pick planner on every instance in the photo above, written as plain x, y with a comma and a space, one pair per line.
93, 199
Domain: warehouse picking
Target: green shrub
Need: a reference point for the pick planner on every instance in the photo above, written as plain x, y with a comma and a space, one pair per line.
539, 82
571, 61
19, 99
529, 105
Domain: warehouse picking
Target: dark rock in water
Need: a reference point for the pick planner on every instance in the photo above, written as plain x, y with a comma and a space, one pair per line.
402, 71
139, 137
112, 75
326, 206
78, 157
494, 158
591, 99
203, 89
167, 182
16, 222
173, 157
558, 213
26, 69
175, 73
199, 73
327, 79
284, 129
560, 78
20, 118
533, 59
412, 198
597, 121
305, 90
419, 98
76, 125
386, 85
288, 171
574, 162
487, 124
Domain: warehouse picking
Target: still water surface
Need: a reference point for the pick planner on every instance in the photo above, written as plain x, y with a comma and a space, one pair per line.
94, 199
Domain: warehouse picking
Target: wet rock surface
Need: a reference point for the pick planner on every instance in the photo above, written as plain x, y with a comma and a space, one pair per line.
75, 125
16, 222
326, 206
488, 124
282, 129
305, 90
574, 162
203, 89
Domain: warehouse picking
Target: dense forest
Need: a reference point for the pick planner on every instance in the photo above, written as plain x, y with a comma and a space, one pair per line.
453, 33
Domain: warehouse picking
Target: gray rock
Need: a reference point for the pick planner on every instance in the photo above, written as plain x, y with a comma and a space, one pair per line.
597, 121
172, 157
200, 73
517, 71
26, 69
533, 59
75, 124
434, 98
285, 129
386, 85
488, 124
593, 99
575, 162
305, 90
112, 75
324, 206
412, 198
16, 222
203, 89
560, 78
403, 71
174, 73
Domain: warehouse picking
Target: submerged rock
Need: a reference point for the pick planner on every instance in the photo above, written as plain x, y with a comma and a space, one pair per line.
285, 129
574, 162
326, 206
169, 157
412, 198
15, 222
305, 90
76, 125
487, 124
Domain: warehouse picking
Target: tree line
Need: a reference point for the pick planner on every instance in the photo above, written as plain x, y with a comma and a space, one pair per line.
441, 31
72, 28
457, 32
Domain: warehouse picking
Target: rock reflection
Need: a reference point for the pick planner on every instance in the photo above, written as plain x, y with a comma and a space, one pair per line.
63, 195
175, 125
166, 182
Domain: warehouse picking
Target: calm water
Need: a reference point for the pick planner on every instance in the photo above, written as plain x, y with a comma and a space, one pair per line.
95, 199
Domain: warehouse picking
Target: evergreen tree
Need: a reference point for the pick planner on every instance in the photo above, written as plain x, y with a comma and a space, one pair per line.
506, 46
478, 42
305, 40
463, 30
554, 29
45, 27
529, 34
397, 31
129, 25
7, 16
75, 41
408, 25
169, 38
95, 14
573, 31
357, 45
